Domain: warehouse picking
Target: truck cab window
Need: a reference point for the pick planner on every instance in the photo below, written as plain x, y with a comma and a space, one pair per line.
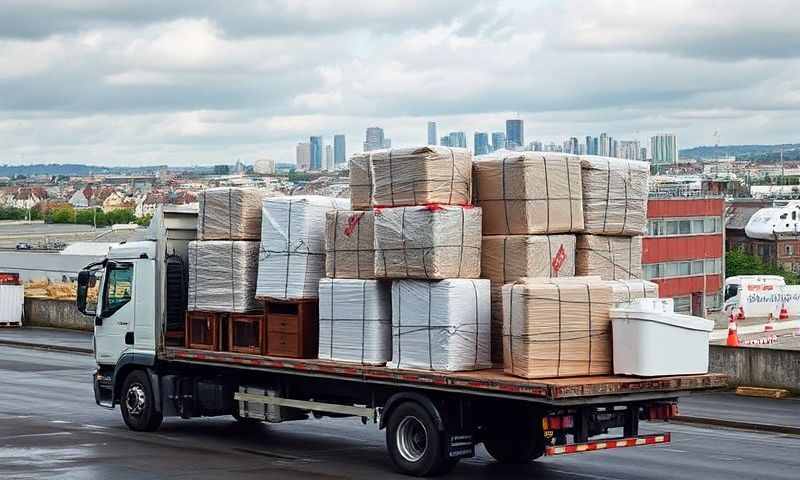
118, 288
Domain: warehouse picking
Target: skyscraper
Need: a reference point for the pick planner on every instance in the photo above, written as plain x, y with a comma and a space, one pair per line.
664, 149
316, 153
515, 135
589, 145
613, 147
572, 146
432, 133
445, 141
498, 140
643, 154
481, 141
629, 149
328, 158
303, 156
603, 145
458, 139
376, 140
339, 152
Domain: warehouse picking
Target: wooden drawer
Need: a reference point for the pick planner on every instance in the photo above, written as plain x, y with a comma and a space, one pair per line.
283, 345
283, 324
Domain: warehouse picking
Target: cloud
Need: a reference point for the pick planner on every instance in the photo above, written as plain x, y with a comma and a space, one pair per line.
198, 81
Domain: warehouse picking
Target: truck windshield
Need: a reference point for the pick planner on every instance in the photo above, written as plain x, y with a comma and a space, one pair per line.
731, 291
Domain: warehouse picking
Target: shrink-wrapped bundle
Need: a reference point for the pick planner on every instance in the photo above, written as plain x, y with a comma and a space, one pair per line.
614, 195
421, 175
222, 276
360, 181
428, 242
229, 213
626, 290
529, 193
292, 258
350, 244
556, 328
355, 321
611, 258
508, 258
440, 325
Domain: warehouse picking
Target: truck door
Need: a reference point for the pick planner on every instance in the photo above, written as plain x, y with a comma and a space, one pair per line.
114, 324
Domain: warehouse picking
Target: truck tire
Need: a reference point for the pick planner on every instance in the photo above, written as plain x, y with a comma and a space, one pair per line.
138, 403
415, 445
518, 443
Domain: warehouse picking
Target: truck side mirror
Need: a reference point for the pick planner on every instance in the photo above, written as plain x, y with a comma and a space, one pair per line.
86, 280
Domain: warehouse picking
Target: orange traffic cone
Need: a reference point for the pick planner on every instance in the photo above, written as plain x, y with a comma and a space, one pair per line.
740, 315
784, 313
770, 325
733, 338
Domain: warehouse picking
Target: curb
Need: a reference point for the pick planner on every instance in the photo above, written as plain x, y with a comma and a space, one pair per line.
758, 427
52, 348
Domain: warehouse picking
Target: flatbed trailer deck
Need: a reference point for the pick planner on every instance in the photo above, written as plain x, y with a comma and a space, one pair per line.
490, 382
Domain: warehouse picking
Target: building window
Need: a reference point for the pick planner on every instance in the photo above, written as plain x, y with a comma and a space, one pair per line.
711, 266
683, 304
683, 226
789, 249
714, 301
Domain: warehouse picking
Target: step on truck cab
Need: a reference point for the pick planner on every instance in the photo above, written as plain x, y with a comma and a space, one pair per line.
431, 419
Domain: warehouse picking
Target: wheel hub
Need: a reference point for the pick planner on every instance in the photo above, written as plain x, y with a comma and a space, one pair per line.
135, 400
412, 439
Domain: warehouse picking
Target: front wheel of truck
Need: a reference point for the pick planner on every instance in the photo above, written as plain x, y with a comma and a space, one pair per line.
137, 403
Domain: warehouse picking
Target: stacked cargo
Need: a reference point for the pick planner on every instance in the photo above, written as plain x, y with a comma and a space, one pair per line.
615, 216
427, 239
532, 205
290, 266
222, 263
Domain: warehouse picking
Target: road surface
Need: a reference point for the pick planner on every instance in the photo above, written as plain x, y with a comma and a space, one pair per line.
50, 428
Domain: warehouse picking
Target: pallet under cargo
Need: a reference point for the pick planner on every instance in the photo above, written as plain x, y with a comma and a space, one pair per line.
491, 381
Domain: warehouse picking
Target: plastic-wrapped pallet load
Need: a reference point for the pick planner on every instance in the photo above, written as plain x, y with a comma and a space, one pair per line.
429, 242
229, 214
421, 175
612, 258
360, 181
222, 276
529, 193
556, 329
614, 195
627, 290
350, 244
508, 258
292, 258
440, 325
355, 321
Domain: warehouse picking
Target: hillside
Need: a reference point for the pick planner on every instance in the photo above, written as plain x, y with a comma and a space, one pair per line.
791, 151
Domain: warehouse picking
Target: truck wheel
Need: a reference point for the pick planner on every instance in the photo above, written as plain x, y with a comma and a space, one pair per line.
415, 445
519, 443
138, 404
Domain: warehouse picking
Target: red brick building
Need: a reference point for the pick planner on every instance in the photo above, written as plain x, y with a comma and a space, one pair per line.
683, 251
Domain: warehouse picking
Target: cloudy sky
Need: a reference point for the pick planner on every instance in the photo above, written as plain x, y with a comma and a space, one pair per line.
202, 82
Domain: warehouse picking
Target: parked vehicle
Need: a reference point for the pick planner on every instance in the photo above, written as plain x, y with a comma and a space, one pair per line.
24, 246
432, 419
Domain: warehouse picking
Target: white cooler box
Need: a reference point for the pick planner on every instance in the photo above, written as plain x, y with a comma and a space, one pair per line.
650, 341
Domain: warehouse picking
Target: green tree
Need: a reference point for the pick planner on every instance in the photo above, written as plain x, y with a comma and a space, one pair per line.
120, 215
65, 214
737, 262
144, 220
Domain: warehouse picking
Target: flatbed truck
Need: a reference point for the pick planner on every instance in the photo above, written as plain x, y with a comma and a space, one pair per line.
432, 419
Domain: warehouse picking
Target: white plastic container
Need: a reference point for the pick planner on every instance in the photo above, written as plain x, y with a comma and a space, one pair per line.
12, 299
650, 343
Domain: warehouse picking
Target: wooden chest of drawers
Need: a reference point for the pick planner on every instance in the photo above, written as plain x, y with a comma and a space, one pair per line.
292, 328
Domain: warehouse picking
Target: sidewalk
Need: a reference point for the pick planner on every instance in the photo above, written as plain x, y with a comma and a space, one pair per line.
48, 338
731, 407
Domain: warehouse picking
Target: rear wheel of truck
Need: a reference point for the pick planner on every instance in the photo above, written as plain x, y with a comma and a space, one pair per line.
415, 444
138, 403
518, 442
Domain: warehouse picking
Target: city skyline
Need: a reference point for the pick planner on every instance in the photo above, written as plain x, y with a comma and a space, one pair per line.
196, 85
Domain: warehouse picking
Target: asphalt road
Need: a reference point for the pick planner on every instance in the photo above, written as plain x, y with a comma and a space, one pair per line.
50, 428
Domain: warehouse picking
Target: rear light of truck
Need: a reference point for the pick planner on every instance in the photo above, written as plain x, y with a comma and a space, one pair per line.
557, 422
662, 411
